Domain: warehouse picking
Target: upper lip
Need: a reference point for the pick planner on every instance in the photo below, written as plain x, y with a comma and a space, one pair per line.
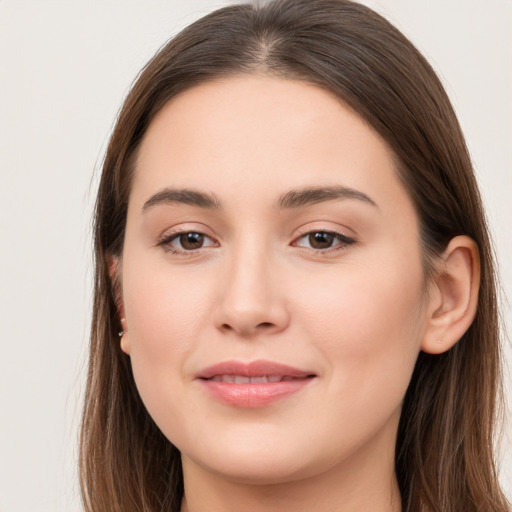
258, 368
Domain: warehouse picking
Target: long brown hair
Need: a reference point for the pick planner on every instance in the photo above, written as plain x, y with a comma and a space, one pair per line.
444, 450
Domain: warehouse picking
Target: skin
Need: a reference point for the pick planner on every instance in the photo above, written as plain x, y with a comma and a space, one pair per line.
355, 314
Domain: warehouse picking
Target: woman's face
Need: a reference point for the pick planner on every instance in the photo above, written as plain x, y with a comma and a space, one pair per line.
272, 281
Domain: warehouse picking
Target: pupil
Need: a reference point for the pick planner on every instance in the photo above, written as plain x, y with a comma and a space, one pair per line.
191, 240
321, 240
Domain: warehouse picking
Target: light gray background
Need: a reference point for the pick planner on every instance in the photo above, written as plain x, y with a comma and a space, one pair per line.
65, 67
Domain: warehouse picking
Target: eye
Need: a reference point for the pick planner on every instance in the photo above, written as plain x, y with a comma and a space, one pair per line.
323, 240
187, 241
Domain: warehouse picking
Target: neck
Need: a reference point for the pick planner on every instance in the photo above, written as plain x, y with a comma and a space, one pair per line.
366, 481
299, 498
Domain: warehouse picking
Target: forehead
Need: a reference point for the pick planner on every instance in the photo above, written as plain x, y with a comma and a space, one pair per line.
261, 134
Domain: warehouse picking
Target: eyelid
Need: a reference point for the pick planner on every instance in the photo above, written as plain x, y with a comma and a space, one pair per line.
185, 227
326, 227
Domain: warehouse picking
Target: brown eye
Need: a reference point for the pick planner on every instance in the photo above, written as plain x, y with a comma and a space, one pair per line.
187, 241
321, 240
191, 241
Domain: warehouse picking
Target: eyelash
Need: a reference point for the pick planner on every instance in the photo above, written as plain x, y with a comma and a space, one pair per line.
343, 242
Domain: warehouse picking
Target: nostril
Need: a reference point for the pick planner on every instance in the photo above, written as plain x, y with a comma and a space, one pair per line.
261, 326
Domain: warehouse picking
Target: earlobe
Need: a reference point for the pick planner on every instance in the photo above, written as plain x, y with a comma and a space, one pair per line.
125, 343
454, 296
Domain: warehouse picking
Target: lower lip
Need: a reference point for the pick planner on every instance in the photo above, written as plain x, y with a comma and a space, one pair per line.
252, 395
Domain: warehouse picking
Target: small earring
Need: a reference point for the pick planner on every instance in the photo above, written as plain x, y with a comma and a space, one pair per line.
122, 320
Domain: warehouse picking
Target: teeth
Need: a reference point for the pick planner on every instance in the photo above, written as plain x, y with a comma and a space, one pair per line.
242, 379
259, 379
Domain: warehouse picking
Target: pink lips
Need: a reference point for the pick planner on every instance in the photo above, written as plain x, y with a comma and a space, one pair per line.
252, 384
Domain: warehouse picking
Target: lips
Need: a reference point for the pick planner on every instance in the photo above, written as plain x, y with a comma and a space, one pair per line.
253, 384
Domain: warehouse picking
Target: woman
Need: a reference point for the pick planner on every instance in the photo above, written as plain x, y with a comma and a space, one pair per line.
291, 244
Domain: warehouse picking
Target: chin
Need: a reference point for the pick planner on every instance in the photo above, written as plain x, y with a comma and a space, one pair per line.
257, 463
259, 470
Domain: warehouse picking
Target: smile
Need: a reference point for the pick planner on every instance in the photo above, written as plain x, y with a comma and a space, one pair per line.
251, 385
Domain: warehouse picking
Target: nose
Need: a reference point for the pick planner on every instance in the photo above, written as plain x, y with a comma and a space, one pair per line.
252, 299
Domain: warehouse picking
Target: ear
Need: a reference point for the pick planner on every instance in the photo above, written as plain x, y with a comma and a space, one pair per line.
114, 270
453, 296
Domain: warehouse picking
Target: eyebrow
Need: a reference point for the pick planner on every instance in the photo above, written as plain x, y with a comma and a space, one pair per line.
289, 200
182, 196
313, 195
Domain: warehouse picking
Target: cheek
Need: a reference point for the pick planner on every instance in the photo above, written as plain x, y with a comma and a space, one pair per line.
164, 309
166, 313
368, 324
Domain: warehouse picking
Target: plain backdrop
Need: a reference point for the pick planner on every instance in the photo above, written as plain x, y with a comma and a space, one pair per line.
65, 67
